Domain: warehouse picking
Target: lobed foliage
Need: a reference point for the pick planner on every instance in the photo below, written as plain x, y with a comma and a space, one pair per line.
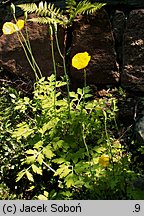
59, 155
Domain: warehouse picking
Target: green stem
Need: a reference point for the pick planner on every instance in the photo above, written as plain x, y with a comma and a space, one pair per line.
84, 78
84, 84
30, 51
26, 54
65, 72
84, 141
27, 44
54, 63
108, 140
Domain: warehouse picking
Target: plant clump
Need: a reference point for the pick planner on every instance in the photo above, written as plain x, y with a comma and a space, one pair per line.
60, 146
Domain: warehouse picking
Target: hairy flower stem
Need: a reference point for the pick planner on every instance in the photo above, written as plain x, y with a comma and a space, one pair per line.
54, 63
26, 54
65, 72
84, 85
27, 44
84, 141
108, 140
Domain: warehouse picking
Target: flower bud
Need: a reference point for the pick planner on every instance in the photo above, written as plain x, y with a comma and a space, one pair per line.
25, 16
50, 30
55, 27
12, 7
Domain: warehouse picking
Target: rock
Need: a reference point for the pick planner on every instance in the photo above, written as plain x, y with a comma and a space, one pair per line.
135, 3
139, 128
13, 59
118, 29
133, 74
126, 111
94, 35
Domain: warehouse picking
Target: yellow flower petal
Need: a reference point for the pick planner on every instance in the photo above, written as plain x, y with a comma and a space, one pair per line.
20, 24
81, 60
8, 28
104, 160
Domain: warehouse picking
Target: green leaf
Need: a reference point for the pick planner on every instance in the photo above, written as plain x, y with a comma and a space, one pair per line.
29, 176
49, 125
26, 100
87, 89
39, 144
81, 167
69, 180
48, 152
73, 94
59, 160
99, 149
62, 171
79, 91
58, 144
61, 103
42, 197
22, 130
60, 83
40, 159
20, 175
30, 159
31, 152
88, 95
36, 169
31, 188
46, 193
90, 105
12, 96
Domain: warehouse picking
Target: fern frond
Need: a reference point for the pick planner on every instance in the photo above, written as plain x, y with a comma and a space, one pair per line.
70, 5
50, 10
43, 9
46, 20
51, 13
86, 7
82, 7
29, 8
95, 7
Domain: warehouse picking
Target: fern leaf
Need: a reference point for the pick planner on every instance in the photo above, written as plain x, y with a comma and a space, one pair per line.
50, 10
46, 20
82, 7
44, 10
70, 5
95, 7
86, 7
29, 8
49, 14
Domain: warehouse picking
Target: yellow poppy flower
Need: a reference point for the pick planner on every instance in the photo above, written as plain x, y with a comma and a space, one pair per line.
10, 28
20, 24
81, 60
104, 160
